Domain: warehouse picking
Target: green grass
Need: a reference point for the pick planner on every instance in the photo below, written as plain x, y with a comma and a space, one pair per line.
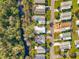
56, 35
74, 27
48, 15
56, 50
49, 2
57, 4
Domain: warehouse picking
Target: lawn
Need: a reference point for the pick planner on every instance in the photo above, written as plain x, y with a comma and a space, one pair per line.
74, 27
49, 2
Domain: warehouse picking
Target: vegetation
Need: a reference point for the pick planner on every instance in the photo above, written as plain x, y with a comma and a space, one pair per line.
11, 45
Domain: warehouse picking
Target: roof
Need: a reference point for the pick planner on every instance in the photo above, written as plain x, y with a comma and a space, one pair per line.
67, 38
65, 16
65, 24
57, 44
39, 1
40, 49
39, 56
66, 5
65, 45
65, 35
40, 19
39, 9
40, 39
78, 1
39, 30
77, 22
77, 43
65, 29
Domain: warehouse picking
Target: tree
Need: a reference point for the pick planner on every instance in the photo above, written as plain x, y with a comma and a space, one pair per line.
9, 31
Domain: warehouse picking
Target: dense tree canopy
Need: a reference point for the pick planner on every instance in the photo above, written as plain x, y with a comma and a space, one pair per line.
11, 46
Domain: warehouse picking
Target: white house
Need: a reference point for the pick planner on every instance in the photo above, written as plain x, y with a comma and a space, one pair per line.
39, 1
57, 44
66, 5
65, 36
40, 19
40, 39
65, 16
77, 1
65, 29
77, 22
77, 43
39, 56
39, 30
65, 45
40, 49
39, 9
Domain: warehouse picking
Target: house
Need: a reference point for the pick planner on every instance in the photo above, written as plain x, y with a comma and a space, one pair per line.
77, 43
39, 19
66, 5
77, 22
65, 16
39, 30
40, 39
65, 36
66, 29
65, 46
65, 24
57, 44
39, 9
77, 1
39, 56
40, 49
39, 1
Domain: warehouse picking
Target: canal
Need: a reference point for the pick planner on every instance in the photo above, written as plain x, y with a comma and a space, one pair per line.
21, 13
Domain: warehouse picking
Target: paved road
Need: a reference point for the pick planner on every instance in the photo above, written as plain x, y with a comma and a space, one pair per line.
52, 55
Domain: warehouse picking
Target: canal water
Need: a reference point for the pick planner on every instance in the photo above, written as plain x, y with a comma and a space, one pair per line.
26, 48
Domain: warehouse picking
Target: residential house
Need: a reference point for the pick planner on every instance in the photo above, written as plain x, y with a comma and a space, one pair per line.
77, 1
40, 49
39, 9
77, 22
65, 46
40, 39
77, 43
57, 44
65, 24
39, 30
66, 29
65, 36
39, 19
39, 56
66, 5
65, 16
39, 1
